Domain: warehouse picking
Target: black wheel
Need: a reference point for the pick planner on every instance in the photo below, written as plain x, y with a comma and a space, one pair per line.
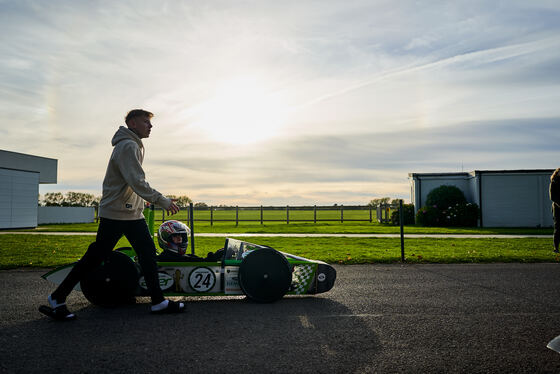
113, 282
265, 275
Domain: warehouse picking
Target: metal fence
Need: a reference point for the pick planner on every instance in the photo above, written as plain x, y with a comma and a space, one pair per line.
262, 214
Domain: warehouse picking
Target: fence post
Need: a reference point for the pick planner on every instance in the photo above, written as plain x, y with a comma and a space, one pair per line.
151, 220
287, 214
211, 216
191, 220
236, 215
401, 219
261, 214
341, 213
370, 215
315, 214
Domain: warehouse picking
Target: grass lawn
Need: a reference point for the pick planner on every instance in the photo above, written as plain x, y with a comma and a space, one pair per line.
318, 228
49, 251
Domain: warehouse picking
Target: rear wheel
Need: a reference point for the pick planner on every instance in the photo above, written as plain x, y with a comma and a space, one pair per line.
113, 282
265, 275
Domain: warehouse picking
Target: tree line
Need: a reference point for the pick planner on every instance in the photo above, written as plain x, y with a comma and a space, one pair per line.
383, 200
183, 201
82, 199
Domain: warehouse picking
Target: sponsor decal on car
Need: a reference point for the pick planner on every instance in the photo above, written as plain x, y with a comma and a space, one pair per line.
165, 281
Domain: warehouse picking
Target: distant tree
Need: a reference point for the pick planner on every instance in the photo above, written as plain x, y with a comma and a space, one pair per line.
200, 205
79, 199
378, 201
182, 201
70, 199
53, 199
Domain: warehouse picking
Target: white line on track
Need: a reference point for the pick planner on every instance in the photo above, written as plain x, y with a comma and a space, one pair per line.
305, 322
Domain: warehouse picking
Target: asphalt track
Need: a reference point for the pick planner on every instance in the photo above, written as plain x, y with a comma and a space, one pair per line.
378, 318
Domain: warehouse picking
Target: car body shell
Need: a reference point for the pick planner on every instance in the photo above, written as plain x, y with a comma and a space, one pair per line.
198, 277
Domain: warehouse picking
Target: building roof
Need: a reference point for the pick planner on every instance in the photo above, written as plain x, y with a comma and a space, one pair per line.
478, 172
46, 167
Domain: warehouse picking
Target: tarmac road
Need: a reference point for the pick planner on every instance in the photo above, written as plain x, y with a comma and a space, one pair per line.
377, 318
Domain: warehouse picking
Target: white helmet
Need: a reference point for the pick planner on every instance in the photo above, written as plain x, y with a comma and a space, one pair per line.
174, 236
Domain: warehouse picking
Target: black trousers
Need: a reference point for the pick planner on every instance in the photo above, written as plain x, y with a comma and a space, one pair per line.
556, 218
108, 234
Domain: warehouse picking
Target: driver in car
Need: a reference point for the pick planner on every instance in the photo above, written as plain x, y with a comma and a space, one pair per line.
173, 238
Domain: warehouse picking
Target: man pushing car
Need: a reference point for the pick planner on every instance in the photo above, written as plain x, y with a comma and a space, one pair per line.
120, 213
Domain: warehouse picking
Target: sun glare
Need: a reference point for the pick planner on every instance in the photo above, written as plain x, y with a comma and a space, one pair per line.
241, 111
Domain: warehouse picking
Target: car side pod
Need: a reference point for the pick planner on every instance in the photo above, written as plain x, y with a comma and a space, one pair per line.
554, 344
113, 282
265, 275
326, 275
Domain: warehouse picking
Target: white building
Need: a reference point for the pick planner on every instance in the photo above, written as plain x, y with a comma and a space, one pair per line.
20, 175
507, 198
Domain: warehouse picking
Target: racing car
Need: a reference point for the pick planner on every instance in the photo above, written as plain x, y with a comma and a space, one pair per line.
260, 272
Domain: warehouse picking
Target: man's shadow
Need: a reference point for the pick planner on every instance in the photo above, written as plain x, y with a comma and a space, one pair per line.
228, 334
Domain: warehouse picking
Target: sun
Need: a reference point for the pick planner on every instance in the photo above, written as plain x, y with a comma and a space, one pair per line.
242, 110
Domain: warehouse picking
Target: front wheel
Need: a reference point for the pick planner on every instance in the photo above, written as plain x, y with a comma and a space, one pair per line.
113, 282
265, 275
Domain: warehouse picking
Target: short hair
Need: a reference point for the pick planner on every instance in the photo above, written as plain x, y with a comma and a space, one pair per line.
137, 113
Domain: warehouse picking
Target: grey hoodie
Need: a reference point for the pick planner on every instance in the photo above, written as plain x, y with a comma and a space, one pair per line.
125, 186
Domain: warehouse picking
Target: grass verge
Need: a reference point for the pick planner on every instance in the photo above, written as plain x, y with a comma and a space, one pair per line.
318, 228
50, 251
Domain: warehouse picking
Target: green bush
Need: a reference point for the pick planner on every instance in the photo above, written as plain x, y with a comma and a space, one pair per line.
459, 215
463, 215
429, 216
443, 197
447, 206
408, 215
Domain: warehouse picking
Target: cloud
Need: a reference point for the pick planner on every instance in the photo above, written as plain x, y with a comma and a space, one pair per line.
319, 167
364, 91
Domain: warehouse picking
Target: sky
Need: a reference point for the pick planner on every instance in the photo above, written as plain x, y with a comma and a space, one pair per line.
270, 102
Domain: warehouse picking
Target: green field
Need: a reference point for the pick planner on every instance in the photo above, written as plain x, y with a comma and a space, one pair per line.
295, 225
275, 215
311, 228
49, 251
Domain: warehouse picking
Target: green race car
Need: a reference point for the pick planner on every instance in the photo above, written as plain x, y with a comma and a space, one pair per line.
260, 272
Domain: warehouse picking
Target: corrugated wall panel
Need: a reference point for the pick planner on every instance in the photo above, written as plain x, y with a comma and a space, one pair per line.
19, 192
511, 200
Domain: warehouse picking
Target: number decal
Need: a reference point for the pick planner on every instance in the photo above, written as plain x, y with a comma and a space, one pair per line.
202, 279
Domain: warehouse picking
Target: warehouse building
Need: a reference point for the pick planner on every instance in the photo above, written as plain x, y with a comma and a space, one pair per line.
20, 175
507, 198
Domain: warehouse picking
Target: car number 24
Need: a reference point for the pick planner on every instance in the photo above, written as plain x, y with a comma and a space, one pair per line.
202, 279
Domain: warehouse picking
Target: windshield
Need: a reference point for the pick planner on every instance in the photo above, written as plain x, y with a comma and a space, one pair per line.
238, 249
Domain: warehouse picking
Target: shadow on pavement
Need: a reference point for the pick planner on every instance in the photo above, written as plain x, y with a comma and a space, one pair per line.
296, 334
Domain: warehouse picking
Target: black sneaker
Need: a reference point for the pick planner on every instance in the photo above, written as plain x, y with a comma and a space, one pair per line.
56, 310
172, 307
60, 313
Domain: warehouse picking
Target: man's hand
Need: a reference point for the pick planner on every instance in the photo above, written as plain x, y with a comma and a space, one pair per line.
173, 209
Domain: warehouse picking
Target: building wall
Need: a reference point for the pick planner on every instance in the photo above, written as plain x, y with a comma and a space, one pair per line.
515, 200
65, 214
19, 191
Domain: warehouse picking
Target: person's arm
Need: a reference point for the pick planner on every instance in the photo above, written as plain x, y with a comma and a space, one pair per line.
133, 174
